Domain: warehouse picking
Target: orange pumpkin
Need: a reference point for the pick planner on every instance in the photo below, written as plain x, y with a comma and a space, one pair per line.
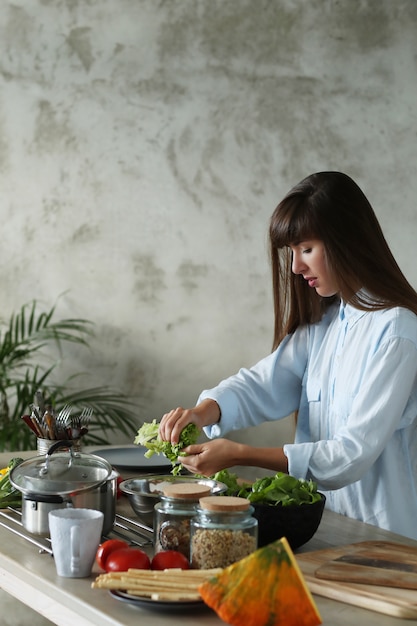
266, 588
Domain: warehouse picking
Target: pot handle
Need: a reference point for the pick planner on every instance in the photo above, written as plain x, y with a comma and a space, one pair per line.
62, 443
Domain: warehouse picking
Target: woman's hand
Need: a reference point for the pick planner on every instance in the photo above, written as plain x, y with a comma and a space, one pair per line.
217, 454
172, 423
212, 456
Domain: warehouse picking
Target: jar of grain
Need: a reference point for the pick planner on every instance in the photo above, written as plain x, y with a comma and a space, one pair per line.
173, 516
223, 532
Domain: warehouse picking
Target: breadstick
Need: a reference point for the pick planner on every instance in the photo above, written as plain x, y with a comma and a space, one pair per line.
169, 584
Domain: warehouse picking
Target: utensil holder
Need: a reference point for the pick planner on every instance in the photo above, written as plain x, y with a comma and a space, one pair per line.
43, 445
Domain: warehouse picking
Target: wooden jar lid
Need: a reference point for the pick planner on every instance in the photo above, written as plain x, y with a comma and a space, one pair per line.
191, 491
224, 503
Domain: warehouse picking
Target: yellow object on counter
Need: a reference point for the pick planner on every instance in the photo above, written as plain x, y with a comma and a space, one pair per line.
266, 588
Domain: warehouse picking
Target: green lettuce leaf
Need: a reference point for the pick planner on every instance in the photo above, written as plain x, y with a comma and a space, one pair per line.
148, 436
281, 489
231, 480
9, 495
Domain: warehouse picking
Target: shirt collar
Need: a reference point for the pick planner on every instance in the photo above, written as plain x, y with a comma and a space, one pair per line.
350, 313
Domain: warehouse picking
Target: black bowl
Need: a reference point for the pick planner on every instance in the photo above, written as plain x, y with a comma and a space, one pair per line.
298, 523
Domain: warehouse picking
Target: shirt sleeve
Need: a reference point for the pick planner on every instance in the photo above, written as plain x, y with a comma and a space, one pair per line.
385, 404
270, 390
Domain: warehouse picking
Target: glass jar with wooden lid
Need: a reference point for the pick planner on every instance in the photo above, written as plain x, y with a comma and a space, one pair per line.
173, 515
222, 532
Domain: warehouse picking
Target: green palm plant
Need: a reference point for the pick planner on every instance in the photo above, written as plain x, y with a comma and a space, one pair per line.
27, 365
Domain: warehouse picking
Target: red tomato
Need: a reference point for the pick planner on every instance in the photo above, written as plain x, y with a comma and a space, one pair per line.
168, 559
106, 548
126, 558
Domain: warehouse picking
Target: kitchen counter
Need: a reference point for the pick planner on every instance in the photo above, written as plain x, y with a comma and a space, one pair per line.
30, 575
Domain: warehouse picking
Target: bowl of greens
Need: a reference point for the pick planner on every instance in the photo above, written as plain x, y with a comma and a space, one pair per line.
283, 505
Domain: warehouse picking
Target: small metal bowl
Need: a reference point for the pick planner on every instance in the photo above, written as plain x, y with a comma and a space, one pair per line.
145, 492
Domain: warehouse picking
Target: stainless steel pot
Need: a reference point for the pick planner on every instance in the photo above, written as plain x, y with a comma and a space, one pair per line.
35, 510
60, 480
102, 498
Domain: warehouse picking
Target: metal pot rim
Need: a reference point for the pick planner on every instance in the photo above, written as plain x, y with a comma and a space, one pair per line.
142, 485
67, 474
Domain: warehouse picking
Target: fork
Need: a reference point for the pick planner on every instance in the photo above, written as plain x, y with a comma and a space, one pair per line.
62, 419
63, 415
86, 415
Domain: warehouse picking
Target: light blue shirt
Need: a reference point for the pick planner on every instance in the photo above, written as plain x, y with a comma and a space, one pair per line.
353, 379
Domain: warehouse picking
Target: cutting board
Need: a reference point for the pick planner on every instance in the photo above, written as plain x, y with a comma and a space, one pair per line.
371, 564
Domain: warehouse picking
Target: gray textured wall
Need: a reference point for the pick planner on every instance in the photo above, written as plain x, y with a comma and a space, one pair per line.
145, 143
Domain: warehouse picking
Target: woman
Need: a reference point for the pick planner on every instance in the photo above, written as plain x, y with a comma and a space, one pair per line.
345, 358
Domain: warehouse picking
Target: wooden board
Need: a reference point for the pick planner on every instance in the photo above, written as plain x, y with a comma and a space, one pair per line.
389, 568
393, 601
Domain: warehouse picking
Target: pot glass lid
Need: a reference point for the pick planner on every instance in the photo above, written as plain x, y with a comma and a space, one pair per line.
61, 474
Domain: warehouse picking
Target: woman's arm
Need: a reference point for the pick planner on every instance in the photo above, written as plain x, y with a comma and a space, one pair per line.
213, 456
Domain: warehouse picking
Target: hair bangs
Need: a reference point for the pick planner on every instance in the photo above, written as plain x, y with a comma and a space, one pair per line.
291, 223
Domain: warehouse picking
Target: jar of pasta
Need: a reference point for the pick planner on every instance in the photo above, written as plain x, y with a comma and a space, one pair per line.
173, 516
222, 532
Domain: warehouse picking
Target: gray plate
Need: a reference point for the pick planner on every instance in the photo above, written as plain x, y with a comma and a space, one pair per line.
133, 457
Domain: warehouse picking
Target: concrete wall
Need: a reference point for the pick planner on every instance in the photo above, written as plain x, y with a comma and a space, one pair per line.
144, 145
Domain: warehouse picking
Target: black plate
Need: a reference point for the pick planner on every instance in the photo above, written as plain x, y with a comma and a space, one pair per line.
160, 605
133, 457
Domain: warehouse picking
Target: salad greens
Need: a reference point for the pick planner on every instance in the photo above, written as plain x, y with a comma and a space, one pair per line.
148, 436
280, 489
231, 481
9, 495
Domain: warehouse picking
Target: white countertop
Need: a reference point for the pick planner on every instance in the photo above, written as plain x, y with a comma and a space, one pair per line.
31, 577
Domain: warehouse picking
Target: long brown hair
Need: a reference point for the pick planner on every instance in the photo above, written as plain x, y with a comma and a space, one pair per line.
330, 206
